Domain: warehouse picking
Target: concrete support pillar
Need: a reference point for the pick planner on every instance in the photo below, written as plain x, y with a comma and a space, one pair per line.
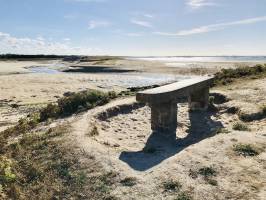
199, 100
164, 117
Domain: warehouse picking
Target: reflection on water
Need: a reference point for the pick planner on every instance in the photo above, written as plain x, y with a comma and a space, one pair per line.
205, 59
135, 80
109, 80
43, 70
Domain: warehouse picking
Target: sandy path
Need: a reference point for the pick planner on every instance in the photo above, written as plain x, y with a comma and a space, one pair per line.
124, 132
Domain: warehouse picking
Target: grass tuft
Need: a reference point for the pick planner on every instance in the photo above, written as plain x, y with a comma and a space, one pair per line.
41, 166
183, 196
75, 102
238, 126
246, 150
172, 186
263, 110
6, 171
222, 131
207, 171
129, 181
93, 132
227, 76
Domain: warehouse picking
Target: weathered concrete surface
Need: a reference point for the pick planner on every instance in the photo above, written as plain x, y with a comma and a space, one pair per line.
163, 101
174, 91
164, 117
199, 100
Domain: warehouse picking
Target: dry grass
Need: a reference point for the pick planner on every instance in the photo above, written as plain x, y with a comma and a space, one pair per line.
129, 181
227, 76
172, 186
43, 165
183, 196
246, 150
238, 126
75, 102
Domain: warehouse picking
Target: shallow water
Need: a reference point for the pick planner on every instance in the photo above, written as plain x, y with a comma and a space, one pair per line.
196, 61
205, 59
43, 70
109, 80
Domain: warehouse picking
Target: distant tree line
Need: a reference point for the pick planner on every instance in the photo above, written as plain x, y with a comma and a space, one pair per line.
40, 56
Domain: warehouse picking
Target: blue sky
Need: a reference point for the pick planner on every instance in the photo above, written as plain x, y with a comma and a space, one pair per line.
133, 27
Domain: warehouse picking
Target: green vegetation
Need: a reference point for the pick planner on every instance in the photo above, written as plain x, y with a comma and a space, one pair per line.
208, 173
211, 106
227, 76
41, 166
238, 126
222, 131
94, 132
6, 174
23, 57
129, 181
248, 117
172, 186
263, 110
246, 150
24, 125
76, 102
65, 106
232, 110
104, 182
183, 196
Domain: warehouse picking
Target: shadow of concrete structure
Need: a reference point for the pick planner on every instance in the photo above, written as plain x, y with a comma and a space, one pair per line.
161, 146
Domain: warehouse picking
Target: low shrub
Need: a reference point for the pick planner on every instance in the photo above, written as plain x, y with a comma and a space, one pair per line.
207, 171
183, 196
238, 126
43, 166
263, 110
94, 132
50, 111
172, 185
129, 181
246, 150
227, 76
222, 131
75, 102
6, 173
208, 174
24, 125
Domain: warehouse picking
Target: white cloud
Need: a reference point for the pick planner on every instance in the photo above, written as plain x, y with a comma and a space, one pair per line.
11, 44
98, 24
148, 15
195, 4
213, 27
40, 38
141, 23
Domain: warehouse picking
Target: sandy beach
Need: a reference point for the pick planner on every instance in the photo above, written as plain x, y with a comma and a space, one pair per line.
124, 131
28, 85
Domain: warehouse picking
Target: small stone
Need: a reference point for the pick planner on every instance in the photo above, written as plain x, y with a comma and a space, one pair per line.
116, 145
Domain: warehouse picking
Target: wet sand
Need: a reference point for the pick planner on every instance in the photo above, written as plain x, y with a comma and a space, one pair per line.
28, 85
